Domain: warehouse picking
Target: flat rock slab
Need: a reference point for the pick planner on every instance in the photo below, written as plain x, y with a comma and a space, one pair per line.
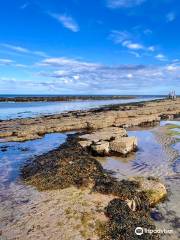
105, 134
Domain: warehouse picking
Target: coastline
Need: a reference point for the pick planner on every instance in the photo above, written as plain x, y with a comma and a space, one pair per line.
61, 98
126, 115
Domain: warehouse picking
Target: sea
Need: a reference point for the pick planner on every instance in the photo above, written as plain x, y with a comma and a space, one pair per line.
13, 110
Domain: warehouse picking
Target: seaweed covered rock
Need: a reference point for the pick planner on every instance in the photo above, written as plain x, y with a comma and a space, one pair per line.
153, 188
63, 167
123, 222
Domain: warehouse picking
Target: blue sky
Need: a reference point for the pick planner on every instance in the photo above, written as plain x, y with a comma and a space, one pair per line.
89, 46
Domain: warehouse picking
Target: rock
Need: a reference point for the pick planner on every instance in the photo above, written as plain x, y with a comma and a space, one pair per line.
100, 148
105, 134
85, 144
111, 139
123, 145
153, 188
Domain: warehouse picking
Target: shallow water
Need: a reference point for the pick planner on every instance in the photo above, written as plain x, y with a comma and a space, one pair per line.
11, 110
150, 159
158, 159
19, 201
14, 154
171, 122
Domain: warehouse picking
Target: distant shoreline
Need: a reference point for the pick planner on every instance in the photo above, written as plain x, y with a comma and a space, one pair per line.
68, 98
60, 98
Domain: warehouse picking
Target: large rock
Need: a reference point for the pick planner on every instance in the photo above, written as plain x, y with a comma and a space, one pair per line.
123, 145
100, 148
153, 188
111, 139
105, 134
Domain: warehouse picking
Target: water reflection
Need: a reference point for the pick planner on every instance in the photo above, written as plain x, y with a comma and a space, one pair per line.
12, 155
152, 158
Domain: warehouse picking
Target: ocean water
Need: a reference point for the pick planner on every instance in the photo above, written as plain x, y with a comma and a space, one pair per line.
12, 110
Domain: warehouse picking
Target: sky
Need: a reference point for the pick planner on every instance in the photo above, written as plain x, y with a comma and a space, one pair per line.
89, 46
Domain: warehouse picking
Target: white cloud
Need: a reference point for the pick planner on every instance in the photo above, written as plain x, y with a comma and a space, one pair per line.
129, 75
6, 61
70, 62
88, 77
151, 48
104, 79
136, 54
127, 40
7, 79
67, 21
172, 67
12, 63
15, 48
171, 16
133, 46
124, 3
161, 57
22, 50
76, 77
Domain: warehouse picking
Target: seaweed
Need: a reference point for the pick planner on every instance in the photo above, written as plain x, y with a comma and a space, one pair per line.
71, 165
123, 222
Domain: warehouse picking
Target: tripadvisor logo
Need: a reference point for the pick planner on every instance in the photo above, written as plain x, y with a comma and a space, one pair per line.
139, 231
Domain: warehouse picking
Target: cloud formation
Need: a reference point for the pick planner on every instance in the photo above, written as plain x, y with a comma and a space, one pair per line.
161, 57
67, 21
126, 40
86, 77
4, 61
22, 50
124, 3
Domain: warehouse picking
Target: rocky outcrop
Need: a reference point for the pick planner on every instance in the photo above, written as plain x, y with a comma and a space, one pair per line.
112, 140
137, 114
